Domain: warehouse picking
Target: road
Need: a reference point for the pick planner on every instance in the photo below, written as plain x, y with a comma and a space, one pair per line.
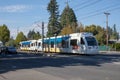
24, 66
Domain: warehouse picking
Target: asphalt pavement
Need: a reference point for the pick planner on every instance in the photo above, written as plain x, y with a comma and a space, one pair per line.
25, 66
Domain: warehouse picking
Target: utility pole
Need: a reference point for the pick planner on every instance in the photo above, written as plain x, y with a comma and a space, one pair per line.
106, 13
42, 36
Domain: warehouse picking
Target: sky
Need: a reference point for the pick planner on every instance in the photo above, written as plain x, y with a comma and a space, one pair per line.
25, 15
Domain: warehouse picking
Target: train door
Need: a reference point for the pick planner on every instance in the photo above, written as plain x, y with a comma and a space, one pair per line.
39, 46
74, 45
83, 48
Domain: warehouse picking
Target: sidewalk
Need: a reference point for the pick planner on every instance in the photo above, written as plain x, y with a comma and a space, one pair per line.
110, 52
28, 74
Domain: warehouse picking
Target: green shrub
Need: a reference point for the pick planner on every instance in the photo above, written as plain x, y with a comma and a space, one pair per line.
117, 46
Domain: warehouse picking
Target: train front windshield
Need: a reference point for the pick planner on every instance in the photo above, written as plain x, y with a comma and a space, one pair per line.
91, 41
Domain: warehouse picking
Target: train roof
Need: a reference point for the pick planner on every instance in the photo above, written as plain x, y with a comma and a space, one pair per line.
82, 34
70, 35
25, 42
59, 38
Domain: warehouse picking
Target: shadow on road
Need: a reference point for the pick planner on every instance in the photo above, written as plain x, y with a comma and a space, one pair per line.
29, 61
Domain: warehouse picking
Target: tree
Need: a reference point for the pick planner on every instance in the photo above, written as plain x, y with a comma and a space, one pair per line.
4, 33
33, 35
53, 24
29, 35
92, 29
68, 18
66, 30
37, 35
98, 32
11, 42
80, 28
20, 37
101, 35
115, 33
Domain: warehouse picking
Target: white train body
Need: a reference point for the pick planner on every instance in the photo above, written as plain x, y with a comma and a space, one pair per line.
39, 45
1, 44
33, 45
82, 43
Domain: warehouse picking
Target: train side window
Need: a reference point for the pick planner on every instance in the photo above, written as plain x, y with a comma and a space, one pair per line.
65, 44
28, 45
82, 41
52, 44
32, 44
39, 44
73, 42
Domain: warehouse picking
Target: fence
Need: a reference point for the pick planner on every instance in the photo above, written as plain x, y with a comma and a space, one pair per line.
105, 48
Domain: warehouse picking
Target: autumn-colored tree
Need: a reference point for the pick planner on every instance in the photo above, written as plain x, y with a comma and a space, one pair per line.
66, 30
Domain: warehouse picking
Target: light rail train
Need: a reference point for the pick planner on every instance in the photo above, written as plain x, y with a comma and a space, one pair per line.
81, 43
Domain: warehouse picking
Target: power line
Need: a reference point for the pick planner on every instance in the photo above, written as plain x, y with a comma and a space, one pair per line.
99, 13
108, 7
87, 5
82, 3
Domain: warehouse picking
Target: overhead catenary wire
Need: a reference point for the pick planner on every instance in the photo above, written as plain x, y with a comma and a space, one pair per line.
37, 26
87, 5
99, 13
82, 3
101, 9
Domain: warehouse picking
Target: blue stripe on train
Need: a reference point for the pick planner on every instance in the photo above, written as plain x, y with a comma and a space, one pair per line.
58, 40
